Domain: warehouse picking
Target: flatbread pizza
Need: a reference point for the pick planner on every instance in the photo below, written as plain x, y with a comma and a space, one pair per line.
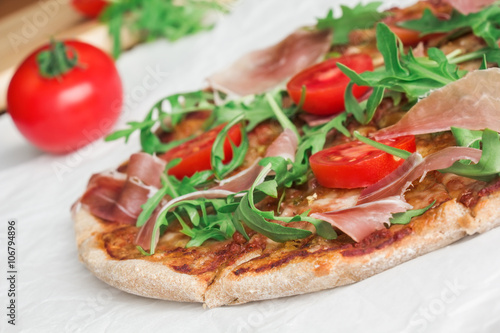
381, 148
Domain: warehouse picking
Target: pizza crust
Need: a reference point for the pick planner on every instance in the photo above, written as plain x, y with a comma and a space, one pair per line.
135, 276
437, 228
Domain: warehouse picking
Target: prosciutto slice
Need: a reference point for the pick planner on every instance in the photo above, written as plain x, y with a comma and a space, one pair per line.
360, 221
264, 69
396, 183
117, 197
472, 102
469, 6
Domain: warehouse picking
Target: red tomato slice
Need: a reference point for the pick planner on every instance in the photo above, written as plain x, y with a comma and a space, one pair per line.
356, 164
90, 8
195, 153
326, 84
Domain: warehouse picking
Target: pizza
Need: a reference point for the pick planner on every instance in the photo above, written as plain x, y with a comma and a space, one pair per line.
382, 147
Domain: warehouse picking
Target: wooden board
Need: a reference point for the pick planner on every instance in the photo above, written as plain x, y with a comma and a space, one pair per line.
24, 30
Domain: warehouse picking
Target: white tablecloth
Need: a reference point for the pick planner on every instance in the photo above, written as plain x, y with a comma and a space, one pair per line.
455, 289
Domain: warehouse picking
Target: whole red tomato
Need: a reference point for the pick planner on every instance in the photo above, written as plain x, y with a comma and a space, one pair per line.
66, 111
90, 8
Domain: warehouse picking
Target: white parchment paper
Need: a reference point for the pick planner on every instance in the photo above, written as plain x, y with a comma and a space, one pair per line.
455, 289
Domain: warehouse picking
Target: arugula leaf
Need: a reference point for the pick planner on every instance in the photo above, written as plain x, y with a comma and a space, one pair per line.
405, 217
484, 24
403, 73
401, 153
154, 19
488, 166
310, 143
172, 107
252, 217
217, 155
274, 231
282, 118
491, 55
258, 220
255, 108
359, 17
467, 138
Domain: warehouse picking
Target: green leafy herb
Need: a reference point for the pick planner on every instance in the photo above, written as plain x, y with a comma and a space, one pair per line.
254, 108
359, 17
154, 19
217, 156
171, 108
403, 73
484, 24
401, 153
489, 54
488, 166
467, 138
405, 217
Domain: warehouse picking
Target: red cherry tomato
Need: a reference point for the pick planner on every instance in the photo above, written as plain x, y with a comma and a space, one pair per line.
356, 164
64, 113
90, 8
326, 84
195, 153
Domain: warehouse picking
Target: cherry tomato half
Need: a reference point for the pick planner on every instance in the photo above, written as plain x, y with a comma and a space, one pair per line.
195, 153
90, 8
356, 164
64, 113
325, 84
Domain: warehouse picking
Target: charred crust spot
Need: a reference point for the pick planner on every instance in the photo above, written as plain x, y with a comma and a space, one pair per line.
376, 241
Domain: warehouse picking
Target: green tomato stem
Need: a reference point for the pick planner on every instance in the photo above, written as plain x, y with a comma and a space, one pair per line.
55, 61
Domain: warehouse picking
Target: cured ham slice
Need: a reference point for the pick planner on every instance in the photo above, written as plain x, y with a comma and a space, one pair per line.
264, 69
117, 197
469, 6
396, 183
360, 221
472, 102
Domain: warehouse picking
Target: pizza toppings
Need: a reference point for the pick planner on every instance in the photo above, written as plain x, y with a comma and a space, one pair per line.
471, 102
195, 154
325, 84
356, 164
223, 191
413, 168
469, 6
262, 70
360, 221
403, 73
118, 197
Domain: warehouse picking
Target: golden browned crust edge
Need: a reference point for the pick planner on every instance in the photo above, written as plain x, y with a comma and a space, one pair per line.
140, 277
435, 229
